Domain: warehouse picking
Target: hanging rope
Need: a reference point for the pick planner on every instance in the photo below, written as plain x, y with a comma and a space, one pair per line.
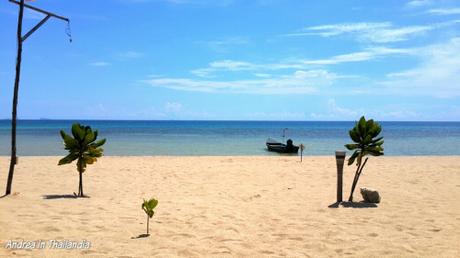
68, 31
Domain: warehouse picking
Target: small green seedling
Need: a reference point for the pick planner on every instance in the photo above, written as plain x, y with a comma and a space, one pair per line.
148, 207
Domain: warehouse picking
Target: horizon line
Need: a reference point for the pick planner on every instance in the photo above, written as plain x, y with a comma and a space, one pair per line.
217, 120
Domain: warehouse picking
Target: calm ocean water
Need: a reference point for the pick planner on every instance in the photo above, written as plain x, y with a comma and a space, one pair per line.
136, 138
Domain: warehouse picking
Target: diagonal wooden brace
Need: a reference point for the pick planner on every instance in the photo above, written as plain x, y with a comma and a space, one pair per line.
23, 38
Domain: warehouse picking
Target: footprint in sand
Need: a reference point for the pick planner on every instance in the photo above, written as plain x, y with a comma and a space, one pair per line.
232, 229
254, 197
226, 249
186, 253
51, 229
88, 252
230, 240
100, 227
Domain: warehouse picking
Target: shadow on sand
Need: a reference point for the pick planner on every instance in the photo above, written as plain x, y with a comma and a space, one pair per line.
353, 205
6, 195
141, 236
61, 196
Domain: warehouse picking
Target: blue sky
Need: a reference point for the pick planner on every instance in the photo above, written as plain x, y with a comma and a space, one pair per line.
237, 60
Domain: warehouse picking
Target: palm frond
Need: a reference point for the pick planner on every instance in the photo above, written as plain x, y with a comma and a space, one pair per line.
364, 134
68, 159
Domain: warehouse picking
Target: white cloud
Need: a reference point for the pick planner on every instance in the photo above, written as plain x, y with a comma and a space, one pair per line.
299, 64
232, 65
263, 75
419, 3
224, 65
381, 32
446, 11
391, 112
341, 111
100, 63
299, 82
335, 112
368, 54
203, 72
337, 29
173, 107
395, 34
438, 73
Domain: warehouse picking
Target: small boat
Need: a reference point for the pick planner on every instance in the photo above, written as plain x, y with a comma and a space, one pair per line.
273, 145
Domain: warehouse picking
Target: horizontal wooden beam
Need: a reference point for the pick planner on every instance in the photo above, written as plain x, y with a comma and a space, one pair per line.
41, 11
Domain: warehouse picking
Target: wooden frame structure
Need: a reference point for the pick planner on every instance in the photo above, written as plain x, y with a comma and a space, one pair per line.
20, 39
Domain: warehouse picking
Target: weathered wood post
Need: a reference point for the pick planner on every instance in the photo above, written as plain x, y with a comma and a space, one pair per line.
20, 40
339, 158
13, 159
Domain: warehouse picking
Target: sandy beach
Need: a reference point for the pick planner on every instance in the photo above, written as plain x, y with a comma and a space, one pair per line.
234, 206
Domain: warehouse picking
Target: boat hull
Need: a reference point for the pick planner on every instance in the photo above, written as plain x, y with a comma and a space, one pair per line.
281, 147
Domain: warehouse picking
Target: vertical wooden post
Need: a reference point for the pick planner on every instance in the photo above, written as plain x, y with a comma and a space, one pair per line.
15, 100
21, 39
340, 158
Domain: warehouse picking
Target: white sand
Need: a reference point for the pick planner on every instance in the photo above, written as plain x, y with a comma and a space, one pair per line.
235, 206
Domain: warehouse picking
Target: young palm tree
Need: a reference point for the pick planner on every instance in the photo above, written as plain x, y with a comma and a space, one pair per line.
148, 206
364, 135
83, 148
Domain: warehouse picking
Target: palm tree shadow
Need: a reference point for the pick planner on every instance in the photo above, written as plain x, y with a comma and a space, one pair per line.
334, 205
141, 236
59, 196
63, 196
358, 205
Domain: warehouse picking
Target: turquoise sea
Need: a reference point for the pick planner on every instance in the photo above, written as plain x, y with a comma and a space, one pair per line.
139, 138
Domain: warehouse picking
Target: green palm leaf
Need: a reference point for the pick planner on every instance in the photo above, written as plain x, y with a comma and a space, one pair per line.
68, 159
354, 135
78, 132
353, 157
